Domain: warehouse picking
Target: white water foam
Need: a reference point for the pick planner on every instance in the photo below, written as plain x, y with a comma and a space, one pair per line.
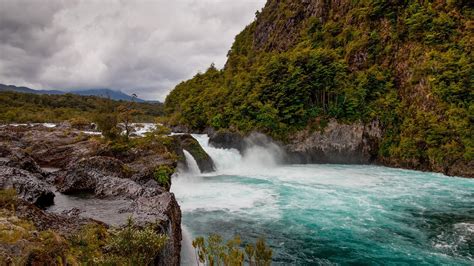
256, 159
193, 168
197, 191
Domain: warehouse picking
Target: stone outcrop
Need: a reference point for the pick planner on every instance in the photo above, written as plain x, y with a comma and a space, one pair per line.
227, 140
88, 174
27, 185
355, 143
63, 224
16, 157
190, 144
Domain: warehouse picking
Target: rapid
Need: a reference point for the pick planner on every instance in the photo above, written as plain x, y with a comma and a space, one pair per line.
328, 214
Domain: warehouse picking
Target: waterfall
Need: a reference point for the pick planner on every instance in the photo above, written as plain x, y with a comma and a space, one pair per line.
259, 156
193, 168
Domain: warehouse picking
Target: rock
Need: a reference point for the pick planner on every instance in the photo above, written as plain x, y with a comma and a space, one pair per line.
165, 209
28, 186
227, 140
42, 220
59, 148
72, 212
338, 143
91, 174
190, 144
144, 166
461, 168
16, 157
180, 129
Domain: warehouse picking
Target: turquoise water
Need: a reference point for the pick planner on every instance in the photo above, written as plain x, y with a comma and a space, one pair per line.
334, 214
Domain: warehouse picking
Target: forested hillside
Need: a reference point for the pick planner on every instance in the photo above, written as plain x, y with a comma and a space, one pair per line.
406, 64
26, 107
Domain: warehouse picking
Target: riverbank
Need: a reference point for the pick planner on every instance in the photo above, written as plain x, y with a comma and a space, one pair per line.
71, 179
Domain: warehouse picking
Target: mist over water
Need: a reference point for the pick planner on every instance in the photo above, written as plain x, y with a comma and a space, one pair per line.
323, 214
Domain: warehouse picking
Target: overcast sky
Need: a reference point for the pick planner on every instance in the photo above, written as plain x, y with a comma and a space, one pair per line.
144, 47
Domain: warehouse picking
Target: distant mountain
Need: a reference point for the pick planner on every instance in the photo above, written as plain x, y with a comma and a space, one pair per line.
13, 88
105, 93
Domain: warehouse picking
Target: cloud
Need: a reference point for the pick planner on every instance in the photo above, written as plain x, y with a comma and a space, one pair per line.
144, 46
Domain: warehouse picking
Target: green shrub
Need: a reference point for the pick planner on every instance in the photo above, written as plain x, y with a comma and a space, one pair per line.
135, 246
214, 251
163, 174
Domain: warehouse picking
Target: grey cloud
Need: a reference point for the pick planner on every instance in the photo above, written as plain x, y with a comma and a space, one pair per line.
144, 47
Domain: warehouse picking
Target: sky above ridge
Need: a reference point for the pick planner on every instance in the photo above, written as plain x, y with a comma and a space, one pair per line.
144, 46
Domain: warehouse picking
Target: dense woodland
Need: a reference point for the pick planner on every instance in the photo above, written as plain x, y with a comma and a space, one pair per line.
30, 108
407, 64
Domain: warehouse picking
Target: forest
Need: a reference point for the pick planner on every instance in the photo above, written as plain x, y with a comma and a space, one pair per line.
406, 64
38, 108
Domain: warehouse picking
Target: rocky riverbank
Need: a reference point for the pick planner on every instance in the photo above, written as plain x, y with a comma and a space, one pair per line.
65, 179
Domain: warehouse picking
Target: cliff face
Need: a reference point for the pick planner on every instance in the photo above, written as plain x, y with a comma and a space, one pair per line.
405, 64
337, 143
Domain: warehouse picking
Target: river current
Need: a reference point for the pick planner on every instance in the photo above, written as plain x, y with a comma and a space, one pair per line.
328, 214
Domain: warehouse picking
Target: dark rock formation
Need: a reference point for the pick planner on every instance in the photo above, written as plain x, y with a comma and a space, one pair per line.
16, 157
190, 144
88, 174
336, 143
27, 186
227, 140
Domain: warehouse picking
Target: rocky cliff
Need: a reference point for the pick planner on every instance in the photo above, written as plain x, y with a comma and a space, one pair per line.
355, 143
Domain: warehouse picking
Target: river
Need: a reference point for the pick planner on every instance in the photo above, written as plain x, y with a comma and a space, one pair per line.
328, 214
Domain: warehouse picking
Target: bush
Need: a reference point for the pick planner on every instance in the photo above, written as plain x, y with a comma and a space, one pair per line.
136, 246
107, 123
163, 175
214, 251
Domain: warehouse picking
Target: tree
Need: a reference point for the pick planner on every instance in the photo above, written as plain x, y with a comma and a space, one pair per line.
126, 112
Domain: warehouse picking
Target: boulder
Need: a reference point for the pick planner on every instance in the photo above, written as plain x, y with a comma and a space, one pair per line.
18, 158
227, 140
90, 174
27, 185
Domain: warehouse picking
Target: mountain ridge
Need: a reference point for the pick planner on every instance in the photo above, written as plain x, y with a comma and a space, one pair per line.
100, 92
